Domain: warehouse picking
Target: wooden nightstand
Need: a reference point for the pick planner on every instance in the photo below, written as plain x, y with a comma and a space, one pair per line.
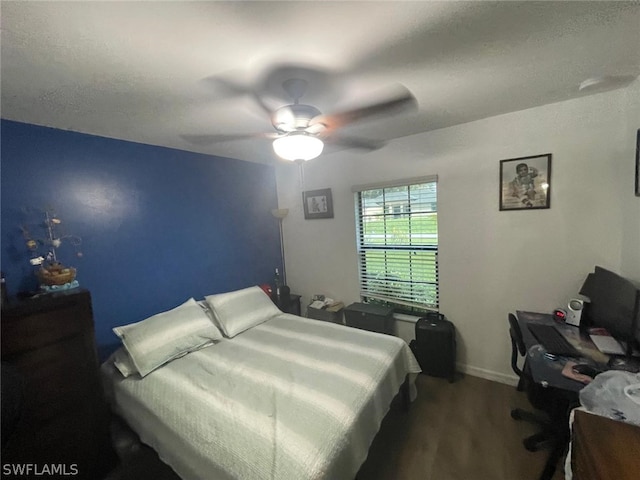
325, 315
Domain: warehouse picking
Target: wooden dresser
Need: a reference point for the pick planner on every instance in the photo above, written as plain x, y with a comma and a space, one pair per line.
604, 449
49, 341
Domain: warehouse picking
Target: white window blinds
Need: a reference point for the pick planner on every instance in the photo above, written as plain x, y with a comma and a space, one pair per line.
397, 229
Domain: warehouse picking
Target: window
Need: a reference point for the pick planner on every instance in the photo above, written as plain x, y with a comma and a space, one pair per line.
397, 236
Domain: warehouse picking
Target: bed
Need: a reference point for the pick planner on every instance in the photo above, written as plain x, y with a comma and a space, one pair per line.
273, 396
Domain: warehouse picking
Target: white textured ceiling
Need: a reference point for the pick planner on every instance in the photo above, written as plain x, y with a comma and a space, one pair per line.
135, 70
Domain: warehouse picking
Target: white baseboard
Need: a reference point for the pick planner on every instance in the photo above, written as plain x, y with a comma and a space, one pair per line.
488, 374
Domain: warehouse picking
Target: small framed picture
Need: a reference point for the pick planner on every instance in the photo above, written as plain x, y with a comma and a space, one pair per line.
525, 183
317, 204
638, 164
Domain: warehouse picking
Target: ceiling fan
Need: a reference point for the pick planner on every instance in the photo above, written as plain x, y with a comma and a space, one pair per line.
301, 129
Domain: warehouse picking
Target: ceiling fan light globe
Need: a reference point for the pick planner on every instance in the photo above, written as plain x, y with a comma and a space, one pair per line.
298, 146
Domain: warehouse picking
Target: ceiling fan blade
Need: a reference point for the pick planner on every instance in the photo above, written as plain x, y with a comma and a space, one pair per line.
297, 81
227, 88
318, 129
211, 139
355, 142
399, 100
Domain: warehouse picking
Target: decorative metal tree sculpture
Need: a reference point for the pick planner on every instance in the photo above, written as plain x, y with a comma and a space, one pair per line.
52, 273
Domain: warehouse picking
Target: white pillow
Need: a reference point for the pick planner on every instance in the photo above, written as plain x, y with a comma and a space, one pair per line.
166, 336
205, 307
240, 310
122, 361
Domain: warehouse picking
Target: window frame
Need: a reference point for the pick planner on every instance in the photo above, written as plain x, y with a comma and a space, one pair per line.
431, 267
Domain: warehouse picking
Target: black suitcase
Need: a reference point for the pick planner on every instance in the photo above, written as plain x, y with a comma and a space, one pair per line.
435, 346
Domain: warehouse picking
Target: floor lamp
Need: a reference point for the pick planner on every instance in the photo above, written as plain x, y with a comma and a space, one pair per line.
280, 213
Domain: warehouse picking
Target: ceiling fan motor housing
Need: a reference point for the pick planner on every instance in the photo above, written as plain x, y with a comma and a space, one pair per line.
293, 117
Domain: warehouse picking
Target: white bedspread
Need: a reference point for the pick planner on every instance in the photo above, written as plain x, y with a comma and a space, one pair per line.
289, 399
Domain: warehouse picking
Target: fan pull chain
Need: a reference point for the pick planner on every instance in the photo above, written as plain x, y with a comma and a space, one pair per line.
301, 172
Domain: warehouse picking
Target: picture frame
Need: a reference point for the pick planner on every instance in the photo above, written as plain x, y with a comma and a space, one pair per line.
638, 163
317, 204
525, 183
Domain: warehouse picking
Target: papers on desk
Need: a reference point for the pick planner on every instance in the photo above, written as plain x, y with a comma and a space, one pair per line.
605, 342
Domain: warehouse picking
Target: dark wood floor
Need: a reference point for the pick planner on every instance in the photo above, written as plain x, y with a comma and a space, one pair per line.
456, 431
453, 431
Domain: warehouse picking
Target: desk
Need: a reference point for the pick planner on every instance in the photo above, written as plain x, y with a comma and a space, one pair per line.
549, 372
595, 455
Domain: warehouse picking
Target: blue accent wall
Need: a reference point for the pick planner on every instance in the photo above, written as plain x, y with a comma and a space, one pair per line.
158, 225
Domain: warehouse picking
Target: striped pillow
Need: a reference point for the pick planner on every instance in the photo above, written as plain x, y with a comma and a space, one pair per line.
168, 335
240, 310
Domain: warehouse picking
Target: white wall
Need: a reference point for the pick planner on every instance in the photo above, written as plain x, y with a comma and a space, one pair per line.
630, 208
491, 262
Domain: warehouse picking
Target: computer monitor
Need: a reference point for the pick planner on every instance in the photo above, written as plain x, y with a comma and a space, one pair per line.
614, 304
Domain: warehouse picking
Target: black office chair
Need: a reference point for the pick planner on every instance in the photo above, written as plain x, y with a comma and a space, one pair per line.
556, 404
539, 397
